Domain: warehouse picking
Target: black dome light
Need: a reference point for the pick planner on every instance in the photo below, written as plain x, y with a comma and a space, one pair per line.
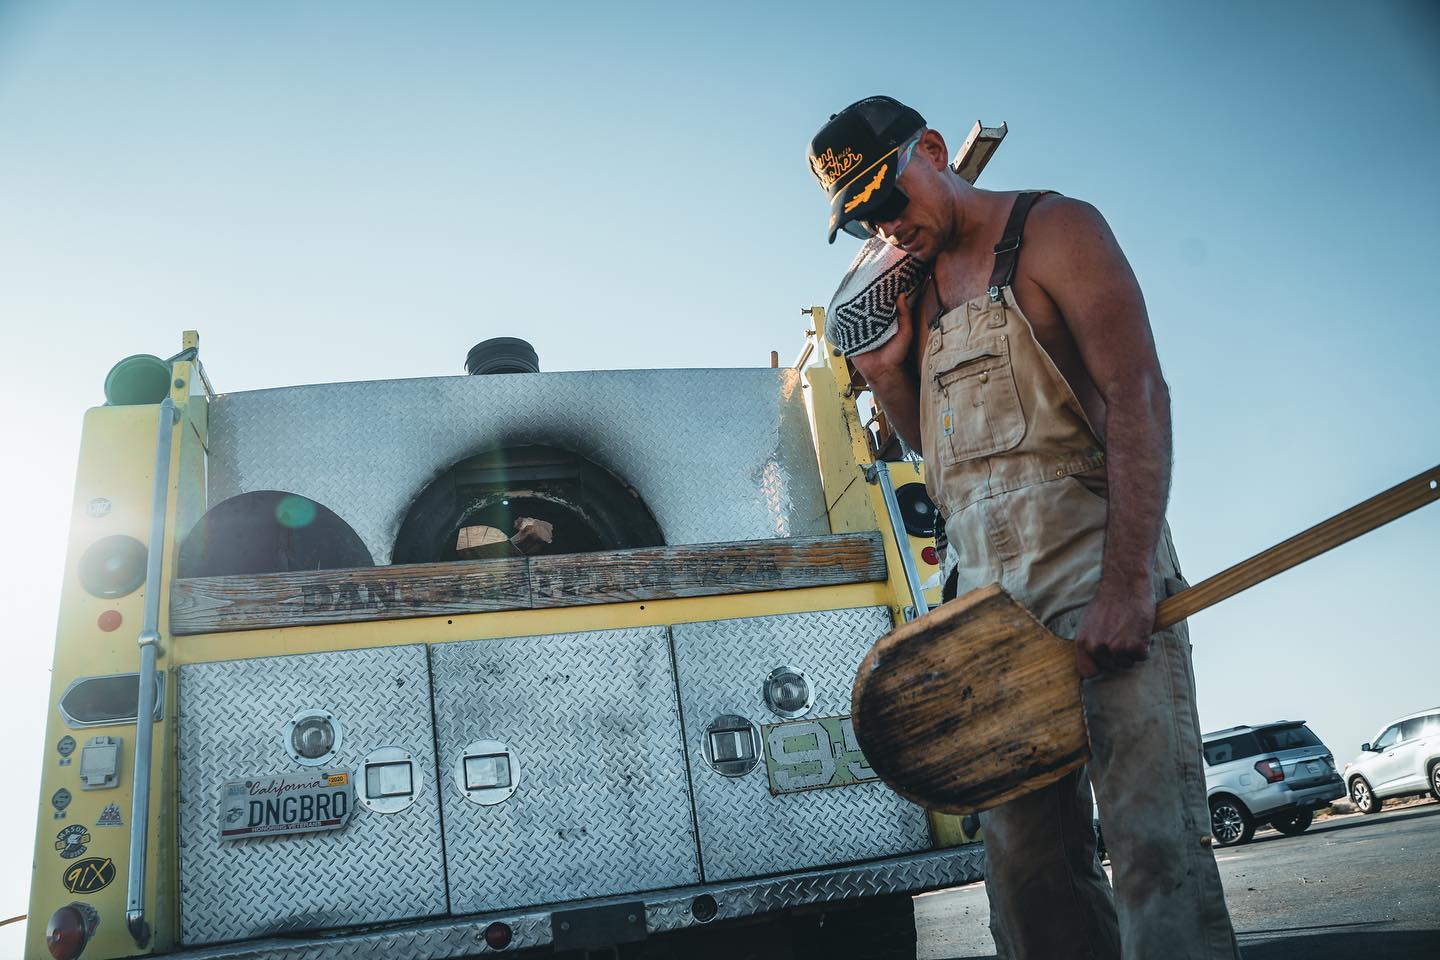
917, 510
113, 566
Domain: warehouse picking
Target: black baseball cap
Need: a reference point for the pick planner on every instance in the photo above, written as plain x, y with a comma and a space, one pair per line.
854, 155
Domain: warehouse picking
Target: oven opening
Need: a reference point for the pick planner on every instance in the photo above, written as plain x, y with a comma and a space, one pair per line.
580, 506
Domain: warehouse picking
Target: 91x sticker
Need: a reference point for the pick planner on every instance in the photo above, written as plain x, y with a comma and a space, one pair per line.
89, 875
71, 841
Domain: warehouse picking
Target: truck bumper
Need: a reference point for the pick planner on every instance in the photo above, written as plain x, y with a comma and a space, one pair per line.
1310, 798
664, 911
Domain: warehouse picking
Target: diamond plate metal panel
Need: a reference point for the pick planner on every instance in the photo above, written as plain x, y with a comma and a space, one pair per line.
664, 910
716, 454
232, 723
744, 831
603, 806
932, 870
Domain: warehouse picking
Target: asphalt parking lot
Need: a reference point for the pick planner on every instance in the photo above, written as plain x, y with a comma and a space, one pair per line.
1349, 886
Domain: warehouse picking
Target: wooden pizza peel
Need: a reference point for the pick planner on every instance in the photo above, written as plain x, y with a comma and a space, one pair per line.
976, 703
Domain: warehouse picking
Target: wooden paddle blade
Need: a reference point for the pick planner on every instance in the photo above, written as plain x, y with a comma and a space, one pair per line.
970, 705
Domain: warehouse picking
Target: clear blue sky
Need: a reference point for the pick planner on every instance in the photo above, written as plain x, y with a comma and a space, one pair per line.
352, 191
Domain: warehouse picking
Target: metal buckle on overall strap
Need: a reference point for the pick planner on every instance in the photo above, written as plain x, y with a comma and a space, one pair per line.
1007, 245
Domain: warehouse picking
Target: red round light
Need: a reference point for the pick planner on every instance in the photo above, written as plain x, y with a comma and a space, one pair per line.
65, 935
930, 556
497, 936
109, 621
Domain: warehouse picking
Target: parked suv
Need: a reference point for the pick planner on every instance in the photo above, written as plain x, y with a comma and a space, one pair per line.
1403, 760
1276, 773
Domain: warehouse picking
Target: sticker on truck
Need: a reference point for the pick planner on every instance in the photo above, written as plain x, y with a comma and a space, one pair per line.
813, 755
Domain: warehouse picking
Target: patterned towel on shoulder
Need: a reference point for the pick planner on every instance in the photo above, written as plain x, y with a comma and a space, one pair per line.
861, 315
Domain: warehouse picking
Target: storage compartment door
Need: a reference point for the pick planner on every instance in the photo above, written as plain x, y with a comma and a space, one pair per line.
781, 786
562, 771
267, 731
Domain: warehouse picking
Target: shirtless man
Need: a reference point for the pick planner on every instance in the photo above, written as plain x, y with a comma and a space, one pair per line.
1032, 388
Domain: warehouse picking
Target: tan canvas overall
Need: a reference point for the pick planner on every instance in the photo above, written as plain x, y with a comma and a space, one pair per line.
1019, 474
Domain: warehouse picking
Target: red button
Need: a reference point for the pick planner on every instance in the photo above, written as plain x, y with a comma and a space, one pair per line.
930, 556
109, 620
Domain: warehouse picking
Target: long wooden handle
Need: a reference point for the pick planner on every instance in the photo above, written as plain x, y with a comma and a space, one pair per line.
1373, 513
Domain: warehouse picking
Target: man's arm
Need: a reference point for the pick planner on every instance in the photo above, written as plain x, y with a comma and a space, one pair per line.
894, 376
1086, 274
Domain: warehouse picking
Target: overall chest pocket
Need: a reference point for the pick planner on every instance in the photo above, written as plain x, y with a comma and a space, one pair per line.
977, 404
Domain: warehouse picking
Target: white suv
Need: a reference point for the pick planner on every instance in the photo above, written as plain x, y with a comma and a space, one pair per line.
1403, 760
1277, 773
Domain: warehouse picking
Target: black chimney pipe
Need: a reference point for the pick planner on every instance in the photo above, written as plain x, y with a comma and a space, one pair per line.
502, 355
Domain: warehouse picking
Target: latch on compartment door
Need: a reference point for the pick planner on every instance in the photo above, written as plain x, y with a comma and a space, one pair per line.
732, 745
387, 781
487, 772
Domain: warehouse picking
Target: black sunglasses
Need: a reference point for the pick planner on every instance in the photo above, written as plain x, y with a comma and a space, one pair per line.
886, 210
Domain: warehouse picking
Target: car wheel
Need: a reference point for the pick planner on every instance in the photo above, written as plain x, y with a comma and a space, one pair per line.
1293, 824
1230, 822
1363, 797
1435, 779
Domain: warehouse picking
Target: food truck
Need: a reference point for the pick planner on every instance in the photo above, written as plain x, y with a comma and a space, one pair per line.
498, 662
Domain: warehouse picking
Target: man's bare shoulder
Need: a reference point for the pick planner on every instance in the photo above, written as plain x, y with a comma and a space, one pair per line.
1066, 239
1056, 219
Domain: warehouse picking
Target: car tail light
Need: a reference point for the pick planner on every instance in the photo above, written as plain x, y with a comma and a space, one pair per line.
67, 933
497, 936
1270, 769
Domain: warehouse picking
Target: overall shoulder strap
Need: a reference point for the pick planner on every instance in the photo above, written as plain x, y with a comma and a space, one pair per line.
1007, 251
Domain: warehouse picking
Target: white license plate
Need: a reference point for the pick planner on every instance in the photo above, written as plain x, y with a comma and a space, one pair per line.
286, 803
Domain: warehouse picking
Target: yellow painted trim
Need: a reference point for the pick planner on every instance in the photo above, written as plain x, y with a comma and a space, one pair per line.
117, 457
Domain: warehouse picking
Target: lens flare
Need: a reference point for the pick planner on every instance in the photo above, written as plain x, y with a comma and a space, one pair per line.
295, 512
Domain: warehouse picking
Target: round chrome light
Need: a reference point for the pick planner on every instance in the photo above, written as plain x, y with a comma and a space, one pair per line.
312, 737
788, 693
